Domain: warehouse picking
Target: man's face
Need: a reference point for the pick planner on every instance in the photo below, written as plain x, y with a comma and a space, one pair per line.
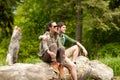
53, 27
62, 29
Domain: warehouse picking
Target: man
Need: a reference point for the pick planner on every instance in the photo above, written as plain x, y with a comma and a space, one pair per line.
73, 50
52, 51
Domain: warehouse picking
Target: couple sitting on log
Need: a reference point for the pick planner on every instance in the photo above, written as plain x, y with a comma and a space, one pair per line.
53, 51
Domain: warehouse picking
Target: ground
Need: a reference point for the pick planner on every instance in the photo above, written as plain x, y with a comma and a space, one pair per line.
116, 78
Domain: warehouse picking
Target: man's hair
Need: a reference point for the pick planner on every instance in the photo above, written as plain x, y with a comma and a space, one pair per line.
60, 24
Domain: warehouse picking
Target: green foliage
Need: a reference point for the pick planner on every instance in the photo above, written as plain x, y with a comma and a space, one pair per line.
101, 26
6, 17
103, 22
2, 56
28, 49
32, 60
114, 4
3, 50
111, 50
38, 13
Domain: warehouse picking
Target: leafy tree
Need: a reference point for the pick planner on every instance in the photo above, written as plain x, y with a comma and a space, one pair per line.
35, 15
32, 16
7, 8
6, 18
104, 24
114, 4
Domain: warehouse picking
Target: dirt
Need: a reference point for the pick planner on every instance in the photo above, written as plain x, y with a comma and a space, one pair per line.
116, 78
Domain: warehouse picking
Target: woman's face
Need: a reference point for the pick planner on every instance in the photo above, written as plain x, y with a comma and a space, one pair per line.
53, 27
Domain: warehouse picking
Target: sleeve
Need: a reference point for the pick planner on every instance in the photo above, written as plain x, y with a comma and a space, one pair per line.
70, 39
45, 46
59, 42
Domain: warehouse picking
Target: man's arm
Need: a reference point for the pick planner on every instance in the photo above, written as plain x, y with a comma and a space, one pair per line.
70, 39
83, 48
79, 44
59, 42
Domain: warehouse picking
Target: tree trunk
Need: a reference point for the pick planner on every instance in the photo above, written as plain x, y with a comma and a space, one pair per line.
79, 22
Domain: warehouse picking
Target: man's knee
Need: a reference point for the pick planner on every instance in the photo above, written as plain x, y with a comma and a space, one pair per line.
76, 47
62, 49
62, 52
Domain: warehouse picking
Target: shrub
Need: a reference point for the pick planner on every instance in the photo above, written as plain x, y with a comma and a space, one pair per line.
111, 49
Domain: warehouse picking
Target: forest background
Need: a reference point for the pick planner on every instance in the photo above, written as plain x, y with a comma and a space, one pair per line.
99, 27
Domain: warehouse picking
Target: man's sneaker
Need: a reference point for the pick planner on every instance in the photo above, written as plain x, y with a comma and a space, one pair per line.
61, 70
54, 65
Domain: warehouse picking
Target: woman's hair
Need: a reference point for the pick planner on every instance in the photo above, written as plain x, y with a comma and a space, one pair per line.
49, 25
60, 24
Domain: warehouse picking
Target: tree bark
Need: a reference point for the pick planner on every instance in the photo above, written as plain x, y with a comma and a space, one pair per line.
79, 22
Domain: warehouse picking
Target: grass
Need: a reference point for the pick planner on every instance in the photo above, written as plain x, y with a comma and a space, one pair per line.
2, 60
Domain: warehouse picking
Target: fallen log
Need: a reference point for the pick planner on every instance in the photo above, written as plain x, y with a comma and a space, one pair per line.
13, 49
42, 71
